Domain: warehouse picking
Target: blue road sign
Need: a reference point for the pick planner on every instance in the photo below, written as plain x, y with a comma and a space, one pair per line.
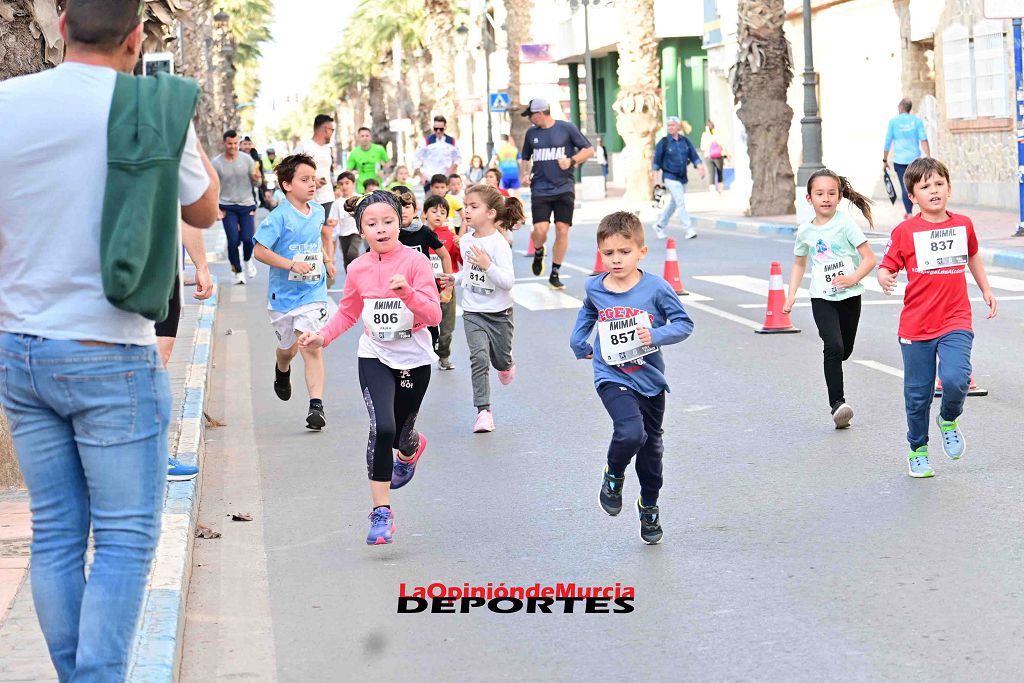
499, 101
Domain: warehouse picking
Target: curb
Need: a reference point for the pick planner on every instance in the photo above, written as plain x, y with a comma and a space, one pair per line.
158, 641
991, 257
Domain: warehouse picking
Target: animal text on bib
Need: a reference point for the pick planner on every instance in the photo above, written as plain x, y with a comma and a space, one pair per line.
620, 342
315, 274
387, 319
478, 281
941, 248
824, 273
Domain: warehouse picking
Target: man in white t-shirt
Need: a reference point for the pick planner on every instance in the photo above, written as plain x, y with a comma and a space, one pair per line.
81, 382
319, 147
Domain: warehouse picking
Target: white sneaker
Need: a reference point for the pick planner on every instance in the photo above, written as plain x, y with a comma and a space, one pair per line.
661, 234
250, 270
690, 234
240, 278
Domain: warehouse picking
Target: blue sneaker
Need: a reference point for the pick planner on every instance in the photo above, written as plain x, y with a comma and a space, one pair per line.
177, 471
382, 527
403, 470
953, 442
918, 463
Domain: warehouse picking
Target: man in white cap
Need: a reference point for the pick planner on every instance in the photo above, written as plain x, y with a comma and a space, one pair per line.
554, 149
672, 155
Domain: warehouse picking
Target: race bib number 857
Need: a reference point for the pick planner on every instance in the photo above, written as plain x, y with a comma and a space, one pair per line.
620, 342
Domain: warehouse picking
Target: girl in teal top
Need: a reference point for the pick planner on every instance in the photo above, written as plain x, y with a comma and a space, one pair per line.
840, 258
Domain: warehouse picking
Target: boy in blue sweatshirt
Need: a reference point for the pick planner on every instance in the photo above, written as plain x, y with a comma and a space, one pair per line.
636, 313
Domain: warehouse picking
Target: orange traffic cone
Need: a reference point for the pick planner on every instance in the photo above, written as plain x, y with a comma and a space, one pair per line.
530, 249
598, 265
671, 273
775, 320
972, 388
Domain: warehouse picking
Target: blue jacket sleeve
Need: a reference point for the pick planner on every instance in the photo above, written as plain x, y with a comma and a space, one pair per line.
659, 152
678, 326
585, 321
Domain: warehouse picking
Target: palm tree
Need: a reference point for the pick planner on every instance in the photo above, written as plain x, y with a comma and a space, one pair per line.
760, 78
638, 104
518, 21
439, 32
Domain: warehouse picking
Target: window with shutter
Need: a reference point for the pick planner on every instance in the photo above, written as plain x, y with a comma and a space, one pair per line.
957, 69
991, 69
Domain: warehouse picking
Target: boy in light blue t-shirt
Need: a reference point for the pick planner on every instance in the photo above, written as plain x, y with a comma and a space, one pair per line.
291, 241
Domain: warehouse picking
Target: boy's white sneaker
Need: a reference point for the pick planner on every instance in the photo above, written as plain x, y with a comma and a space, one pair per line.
240, 278
250, 269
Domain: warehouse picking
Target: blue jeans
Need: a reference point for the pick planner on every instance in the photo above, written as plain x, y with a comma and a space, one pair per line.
239, 227
90, 430
908, 206
953, 352
677, 191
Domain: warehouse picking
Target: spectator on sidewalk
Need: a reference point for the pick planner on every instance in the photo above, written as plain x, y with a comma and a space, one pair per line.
906, 138
81, 382
672, 155
714, 153
438, 155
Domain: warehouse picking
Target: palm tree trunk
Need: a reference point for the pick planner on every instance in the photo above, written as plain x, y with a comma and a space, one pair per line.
518, 21
440, 29
761, 76
198, 28
381, 129
638, 105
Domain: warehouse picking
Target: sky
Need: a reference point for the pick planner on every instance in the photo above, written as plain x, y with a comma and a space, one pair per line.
304, 32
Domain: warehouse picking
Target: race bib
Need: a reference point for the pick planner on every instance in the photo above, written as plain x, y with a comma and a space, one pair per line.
436, 266
315, 260
478, 281
941, 248
387, 319
825, 272
619, 341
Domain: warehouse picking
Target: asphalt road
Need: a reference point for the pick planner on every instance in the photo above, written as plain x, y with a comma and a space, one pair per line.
791, 552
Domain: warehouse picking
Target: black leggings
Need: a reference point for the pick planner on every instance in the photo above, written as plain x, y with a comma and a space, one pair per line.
393, 399
837, 327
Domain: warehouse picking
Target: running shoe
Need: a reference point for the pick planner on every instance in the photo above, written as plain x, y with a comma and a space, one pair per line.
178, 471
611, 492
918, 463
250, 269
690, 234
538, 262
403, 470
282, 383
240, 278
660, 233
382, 526
445, 364
841, 415
506, 376
315, 420
555, 282
484, 422
650, 523
953, 442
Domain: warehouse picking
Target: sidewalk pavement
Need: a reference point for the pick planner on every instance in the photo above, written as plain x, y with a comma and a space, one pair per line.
993, 227
23, 654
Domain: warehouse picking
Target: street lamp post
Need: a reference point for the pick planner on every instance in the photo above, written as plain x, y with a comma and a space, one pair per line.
488, 49
810, 124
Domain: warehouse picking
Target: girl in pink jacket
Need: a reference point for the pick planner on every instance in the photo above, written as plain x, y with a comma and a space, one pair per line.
391, 290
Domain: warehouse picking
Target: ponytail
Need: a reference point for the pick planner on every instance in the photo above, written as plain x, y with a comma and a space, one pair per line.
846, 191
509, 210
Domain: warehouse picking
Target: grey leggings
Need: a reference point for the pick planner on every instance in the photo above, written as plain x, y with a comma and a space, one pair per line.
489, 336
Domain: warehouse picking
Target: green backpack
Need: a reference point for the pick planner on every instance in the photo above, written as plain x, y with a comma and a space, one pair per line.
149, 120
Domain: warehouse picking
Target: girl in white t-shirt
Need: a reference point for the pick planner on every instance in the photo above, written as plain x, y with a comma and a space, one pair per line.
343, 224
487, 278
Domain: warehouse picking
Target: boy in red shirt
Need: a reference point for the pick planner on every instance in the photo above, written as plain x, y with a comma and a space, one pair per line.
935, 325
435, 215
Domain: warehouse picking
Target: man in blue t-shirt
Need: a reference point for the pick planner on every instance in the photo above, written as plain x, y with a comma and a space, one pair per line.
554, 149
907, 133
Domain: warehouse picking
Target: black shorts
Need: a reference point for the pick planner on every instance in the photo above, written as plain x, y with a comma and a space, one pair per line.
561, 205
168, 327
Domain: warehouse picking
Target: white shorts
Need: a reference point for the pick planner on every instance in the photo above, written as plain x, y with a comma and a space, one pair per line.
308, 318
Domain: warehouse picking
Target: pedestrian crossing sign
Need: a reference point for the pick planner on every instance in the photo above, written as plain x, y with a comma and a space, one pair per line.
499, 101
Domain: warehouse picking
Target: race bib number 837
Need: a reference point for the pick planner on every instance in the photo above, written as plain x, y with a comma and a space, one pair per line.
941, 248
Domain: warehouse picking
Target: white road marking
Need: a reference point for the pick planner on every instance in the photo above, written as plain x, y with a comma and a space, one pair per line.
578, 269
888, 302
239, 294
722, 314
881, 367
537, 297
542, 278
1007, 283
745, 283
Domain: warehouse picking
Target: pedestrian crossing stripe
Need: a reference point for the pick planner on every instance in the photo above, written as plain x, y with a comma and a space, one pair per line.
752, 285
759, 286
538, 297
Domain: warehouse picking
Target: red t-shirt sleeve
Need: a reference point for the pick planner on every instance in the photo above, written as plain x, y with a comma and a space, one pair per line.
894, 259
972, 238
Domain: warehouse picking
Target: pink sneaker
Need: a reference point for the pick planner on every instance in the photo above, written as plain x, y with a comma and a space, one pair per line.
484, 422
506, 376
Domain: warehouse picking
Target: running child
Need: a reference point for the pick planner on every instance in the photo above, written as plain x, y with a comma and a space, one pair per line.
369, 185
345, 232
391, 290
439, 187
493, 178
636, 313
935, 324
840, 258
289, 240
435, 214
455, 187
487, 295
401, 177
